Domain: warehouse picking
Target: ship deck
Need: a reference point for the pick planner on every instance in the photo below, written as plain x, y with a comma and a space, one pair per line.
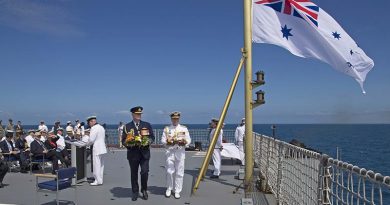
20, 188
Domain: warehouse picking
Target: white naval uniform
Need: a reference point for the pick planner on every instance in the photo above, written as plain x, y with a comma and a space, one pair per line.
217, 152
43, 128
29, 139
78, 131
120, 132
85, 138
69, 128
97, 138
239, 135
60, 143
175, 156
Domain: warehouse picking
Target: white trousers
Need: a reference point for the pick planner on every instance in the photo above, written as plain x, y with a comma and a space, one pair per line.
98, 168
242, 153
175, 169
217, 161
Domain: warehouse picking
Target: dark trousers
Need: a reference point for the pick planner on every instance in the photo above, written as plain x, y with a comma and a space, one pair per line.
52, 156
91, 159
63, 157
135, 163
3, 170
22, 159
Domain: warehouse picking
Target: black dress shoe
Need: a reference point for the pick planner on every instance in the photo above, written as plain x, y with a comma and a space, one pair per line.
1, 185
145, 195
134, 197
214, 177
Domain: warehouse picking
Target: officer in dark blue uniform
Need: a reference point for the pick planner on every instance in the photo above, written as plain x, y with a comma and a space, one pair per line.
138, 155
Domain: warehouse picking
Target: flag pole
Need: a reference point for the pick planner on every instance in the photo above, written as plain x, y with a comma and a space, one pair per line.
213, 142
248, 94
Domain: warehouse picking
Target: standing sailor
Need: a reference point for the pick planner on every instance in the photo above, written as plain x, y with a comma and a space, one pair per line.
42, 126
217, 149
19, 130
10, 125
239, 134
137, 137
69, 128
57, 125
97, 138
79, 129
175, 138
120, 132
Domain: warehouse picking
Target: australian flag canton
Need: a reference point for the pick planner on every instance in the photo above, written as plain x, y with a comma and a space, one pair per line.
304, 9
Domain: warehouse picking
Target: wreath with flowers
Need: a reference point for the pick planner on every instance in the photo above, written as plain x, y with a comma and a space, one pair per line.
177, 138
140, 140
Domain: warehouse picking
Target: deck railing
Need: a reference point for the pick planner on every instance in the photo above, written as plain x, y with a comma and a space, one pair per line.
299, 176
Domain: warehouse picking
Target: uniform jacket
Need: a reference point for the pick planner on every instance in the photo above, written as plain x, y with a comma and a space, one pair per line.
97, 138
239, 133
178, 131
20, 143
36, 148
4, 146
136, 152
219, 140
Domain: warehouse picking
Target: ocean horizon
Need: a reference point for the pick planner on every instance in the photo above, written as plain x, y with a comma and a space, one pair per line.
363, 145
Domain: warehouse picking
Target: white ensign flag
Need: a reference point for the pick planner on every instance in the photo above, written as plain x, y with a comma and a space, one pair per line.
307, 31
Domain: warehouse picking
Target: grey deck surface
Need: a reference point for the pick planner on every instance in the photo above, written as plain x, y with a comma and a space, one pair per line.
20, 188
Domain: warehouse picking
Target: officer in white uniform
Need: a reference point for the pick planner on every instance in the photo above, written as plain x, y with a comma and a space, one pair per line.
79, 129
239, 135
30, 137
43, 127
69, 128
97, 138
217, 150
175, 138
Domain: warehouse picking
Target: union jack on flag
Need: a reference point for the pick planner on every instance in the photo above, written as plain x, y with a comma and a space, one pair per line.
304, 9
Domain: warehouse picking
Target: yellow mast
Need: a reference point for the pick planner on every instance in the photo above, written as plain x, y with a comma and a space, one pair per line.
248, 93
249, 104
210, 151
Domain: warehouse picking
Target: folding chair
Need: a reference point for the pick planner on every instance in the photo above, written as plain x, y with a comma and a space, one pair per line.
10, 161
61, 181
40, 161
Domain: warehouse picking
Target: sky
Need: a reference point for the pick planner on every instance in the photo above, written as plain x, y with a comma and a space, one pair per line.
68, 59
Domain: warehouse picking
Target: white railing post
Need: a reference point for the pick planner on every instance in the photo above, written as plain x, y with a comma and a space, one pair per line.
280, 173
326, 180
267, 165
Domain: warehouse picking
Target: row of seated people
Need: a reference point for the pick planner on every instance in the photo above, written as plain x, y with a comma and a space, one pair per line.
39, 145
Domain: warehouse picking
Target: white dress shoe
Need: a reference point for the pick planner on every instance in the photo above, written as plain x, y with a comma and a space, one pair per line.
177, 195
95, 183
168, 193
